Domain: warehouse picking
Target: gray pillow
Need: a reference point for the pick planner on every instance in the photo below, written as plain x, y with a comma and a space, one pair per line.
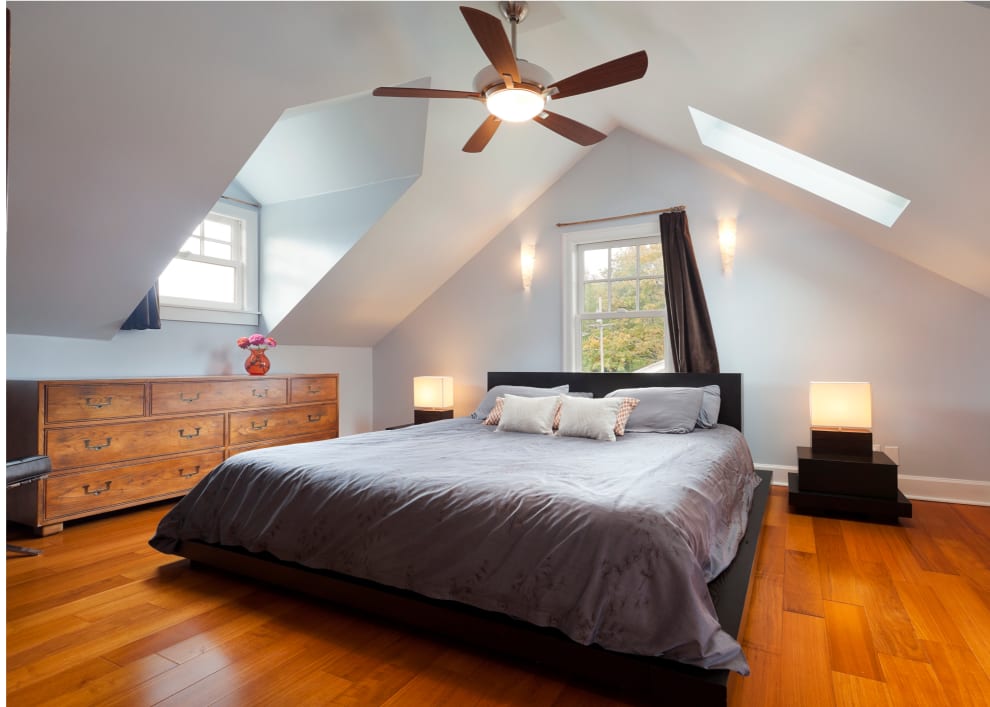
525, 391
711, 403
673, 410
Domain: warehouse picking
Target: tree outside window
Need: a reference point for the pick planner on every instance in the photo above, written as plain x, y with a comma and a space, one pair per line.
621, 312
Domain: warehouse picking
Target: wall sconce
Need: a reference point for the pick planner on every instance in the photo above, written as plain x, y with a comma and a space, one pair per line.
433, 398
841, 418
727, 242
527, 259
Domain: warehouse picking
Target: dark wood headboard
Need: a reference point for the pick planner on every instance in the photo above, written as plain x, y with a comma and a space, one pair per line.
599, 384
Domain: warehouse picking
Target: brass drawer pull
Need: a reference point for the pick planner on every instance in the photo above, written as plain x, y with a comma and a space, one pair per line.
263, 425
96, 447
262, 394
96, 492
314, 418
103, 402
190, 474
182, 433
184, 399
313, 391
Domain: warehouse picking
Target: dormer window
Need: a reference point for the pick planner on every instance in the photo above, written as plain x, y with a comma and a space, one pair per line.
214, 277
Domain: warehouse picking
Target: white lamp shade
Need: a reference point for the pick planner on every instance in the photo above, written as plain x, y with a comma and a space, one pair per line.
433, 392
841, 404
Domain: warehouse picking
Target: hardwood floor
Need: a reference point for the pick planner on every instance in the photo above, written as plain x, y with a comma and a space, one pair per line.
841, 613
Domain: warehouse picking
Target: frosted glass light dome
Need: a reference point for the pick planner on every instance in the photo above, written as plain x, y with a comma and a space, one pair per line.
515, 105
519, 103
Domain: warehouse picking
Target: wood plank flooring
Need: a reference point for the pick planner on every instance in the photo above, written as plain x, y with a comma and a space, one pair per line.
841, 613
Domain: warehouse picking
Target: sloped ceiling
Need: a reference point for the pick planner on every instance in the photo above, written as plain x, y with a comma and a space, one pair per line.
127, 120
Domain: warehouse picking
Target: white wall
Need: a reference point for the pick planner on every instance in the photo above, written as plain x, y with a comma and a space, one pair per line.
189, 348
805, 301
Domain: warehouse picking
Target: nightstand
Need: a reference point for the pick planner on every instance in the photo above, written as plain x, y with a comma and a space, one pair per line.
863, 485
421, 416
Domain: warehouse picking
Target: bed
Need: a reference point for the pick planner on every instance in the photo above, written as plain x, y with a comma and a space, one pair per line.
588, 557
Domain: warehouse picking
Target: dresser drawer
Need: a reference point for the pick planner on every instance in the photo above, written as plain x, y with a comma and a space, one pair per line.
263, 444
92, 491
316, 389
195, 396
257, 425
88, 445
93, 401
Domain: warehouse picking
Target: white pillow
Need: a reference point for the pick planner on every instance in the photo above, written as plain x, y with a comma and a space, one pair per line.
533, 415
592, 418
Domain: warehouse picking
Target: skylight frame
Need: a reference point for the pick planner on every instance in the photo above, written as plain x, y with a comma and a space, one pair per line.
825, 181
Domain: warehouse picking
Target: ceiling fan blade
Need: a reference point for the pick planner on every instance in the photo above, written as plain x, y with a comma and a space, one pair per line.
487, 29
571, 129
398, 92
482, 135
611, 73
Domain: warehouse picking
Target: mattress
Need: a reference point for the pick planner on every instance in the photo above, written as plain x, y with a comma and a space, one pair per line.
612, 543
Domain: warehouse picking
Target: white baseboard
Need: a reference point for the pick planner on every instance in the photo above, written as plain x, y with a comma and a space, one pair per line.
919, 488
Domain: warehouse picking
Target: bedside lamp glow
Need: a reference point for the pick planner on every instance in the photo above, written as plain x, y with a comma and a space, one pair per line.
841, 405
433, 398
841, 417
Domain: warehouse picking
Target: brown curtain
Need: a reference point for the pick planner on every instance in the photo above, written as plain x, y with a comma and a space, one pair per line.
692, 341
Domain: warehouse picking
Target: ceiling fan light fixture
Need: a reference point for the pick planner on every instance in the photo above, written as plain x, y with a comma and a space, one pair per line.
515, 105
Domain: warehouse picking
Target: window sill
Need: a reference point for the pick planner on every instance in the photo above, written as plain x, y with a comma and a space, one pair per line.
209, 316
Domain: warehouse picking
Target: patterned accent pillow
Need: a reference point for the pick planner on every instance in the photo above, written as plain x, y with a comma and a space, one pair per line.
625, 410
496, 414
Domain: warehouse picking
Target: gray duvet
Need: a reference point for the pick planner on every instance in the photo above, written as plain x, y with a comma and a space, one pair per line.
612, 543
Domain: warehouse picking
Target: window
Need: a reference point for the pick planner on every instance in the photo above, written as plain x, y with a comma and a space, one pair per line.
800, 170
214, 277
615, 314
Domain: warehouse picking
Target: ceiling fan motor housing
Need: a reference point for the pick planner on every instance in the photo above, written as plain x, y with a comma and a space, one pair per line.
531, 74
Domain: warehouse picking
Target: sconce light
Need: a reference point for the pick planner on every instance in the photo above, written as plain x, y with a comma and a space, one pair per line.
433, 398
527, 259
841, 418
727, 242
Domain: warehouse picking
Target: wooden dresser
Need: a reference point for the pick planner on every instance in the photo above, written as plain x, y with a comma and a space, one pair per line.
123, 442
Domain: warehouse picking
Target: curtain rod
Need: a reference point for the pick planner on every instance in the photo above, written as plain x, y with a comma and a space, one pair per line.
669, 210
241, 201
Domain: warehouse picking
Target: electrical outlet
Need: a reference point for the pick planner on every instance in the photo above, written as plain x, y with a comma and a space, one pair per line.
892, 452
876, 447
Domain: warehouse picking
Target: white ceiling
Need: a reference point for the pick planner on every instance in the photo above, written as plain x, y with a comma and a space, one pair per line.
127, 120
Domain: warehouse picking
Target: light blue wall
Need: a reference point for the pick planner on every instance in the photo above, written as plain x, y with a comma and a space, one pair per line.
303, 239
804, 302
187, 349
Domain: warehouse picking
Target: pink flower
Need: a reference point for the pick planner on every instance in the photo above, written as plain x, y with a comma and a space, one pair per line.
256, 341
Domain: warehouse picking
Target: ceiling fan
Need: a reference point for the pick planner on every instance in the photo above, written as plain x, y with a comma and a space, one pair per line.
515, 90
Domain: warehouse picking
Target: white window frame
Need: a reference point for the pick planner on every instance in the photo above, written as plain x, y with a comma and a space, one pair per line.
246, 312
571, 243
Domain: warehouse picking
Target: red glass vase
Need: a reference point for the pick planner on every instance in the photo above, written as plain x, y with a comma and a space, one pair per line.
257, 363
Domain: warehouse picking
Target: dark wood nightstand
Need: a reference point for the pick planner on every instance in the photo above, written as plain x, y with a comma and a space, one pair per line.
421, 416
862, 485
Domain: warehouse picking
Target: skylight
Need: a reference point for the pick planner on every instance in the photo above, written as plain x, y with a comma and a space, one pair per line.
800, 170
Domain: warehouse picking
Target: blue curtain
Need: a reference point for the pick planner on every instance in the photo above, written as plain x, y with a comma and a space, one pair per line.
147, 315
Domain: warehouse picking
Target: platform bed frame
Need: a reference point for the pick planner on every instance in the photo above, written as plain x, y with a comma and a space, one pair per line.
630, 675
